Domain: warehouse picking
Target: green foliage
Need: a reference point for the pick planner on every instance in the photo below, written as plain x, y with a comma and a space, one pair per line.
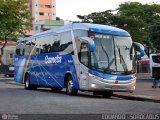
15, 18
141, 21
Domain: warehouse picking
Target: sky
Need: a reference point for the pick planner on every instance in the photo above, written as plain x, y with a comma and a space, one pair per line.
68, 9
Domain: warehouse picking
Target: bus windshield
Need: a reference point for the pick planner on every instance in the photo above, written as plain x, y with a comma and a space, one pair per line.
112, 54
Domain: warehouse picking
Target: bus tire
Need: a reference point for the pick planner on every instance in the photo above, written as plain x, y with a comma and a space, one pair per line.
70, 87
6, 75
107, 94
27, 84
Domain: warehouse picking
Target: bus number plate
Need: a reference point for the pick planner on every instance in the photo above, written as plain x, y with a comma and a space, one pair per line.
115, 87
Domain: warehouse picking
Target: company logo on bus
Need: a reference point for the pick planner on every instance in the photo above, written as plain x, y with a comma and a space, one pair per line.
49, 60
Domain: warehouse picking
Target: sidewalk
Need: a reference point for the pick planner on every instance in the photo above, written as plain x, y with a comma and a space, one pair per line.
143, 92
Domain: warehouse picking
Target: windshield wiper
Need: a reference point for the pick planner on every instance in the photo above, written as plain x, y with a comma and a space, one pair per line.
109, 65
105, 54
122, 61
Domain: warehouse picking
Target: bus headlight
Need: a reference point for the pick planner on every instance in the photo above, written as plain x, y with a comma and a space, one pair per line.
134, 87
93, 85
90, 75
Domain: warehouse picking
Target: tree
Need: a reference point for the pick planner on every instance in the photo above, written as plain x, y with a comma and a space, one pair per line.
97, 17
141, 21
150, 15
15, 20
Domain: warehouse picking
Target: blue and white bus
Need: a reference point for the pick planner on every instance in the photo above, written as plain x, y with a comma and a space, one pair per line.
78, 56
154, 63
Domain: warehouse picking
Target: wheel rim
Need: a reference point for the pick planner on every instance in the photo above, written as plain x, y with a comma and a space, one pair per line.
70, 86
27, 83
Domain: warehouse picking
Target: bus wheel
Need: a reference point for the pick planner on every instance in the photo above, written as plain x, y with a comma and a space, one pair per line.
6, 75
107, 94
70, 87
28, 86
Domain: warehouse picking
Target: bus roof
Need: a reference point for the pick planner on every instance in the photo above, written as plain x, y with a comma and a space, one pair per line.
101, 29
98, 28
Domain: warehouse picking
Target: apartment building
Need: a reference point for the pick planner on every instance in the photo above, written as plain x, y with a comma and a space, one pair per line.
43, 9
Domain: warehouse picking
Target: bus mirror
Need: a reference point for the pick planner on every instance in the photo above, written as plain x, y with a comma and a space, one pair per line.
139, 47
90, 42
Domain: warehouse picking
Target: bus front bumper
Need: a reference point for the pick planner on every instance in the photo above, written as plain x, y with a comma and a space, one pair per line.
112, 85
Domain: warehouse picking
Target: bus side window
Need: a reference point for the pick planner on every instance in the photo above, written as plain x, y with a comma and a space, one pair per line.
41, 49
49, 48
55, 46
66, 44
23, 52
37, 50
18, 51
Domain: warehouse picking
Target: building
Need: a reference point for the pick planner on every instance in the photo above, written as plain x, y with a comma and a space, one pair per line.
43, 9
46, 25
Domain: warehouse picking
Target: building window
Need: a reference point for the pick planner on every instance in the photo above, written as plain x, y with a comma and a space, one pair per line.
41, 13
48, 6
11, 55
48, 14
42, 6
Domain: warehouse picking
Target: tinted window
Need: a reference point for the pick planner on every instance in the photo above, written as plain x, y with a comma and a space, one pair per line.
20, 49
66, 42
156, 59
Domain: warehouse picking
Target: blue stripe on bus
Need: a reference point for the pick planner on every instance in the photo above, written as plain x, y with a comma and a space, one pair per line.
109, 76
111, 32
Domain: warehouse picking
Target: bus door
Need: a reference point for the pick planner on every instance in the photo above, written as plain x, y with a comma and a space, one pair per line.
84, 60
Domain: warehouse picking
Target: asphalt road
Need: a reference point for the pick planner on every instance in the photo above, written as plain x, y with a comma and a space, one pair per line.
14, 99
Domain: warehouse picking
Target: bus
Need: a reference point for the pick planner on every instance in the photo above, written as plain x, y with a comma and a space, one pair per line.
155, 63
78, 56
7, 65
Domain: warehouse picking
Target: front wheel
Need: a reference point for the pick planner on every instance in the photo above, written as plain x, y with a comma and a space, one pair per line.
70, 87
27, 84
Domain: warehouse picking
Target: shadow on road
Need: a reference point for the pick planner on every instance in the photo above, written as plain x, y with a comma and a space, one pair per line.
80, 94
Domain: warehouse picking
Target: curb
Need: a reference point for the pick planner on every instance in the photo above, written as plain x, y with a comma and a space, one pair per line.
14, 83
136, 98
145, 78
